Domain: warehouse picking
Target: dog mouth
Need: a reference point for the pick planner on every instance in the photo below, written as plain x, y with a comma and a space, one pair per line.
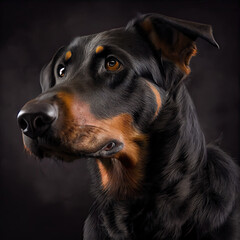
50, 147
67, 140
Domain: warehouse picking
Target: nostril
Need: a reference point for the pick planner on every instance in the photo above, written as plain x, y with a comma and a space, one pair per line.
38, 122
23, 124
43, 120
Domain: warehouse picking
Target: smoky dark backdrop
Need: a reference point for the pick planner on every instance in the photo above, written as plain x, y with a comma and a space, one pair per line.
49, 199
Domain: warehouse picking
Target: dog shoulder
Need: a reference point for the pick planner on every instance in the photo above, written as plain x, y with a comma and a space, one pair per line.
222, 169
217, 192
93, 227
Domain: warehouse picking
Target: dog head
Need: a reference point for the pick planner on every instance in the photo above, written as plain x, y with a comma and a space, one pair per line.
101, 93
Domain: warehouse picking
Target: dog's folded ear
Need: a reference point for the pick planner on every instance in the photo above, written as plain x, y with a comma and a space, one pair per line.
175, 38
47, 78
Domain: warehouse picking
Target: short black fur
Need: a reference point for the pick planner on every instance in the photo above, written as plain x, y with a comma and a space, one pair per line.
159, 179
190, 189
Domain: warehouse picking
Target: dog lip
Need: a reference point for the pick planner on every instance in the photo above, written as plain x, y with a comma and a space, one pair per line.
41, 148
104, 152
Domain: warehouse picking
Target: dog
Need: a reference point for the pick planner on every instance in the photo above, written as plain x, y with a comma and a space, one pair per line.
118, 99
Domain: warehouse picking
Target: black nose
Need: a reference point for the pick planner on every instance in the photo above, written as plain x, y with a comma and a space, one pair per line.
35, 118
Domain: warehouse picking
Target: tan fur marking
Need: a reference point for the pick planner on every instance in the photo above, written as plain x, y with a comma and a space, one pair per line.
157, 97
180, 52
128, 163
122, 128
128, 168
27, 149
99, 49
68, 55
104, 174
119, 127
67, 98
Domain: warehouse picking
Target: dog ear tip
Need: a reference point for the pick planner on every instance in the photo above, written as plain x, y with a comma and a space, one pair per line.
211, 37
215, 44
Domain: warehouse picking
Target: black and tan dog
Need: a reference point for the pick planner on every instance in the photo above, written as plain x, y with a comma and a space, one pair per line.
118, 99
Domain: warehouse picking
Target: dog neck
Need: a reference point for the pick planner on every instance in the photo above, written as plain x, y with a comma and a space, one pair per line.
180, 164
177, 141
176, 148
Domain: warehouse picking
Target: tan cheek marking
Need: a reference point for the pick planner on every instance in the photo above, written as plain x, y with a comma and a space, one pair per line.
66, 117
131, 157
76, 110
157, 97
68, 55
122, 128
119, 127
67, 99
99, 49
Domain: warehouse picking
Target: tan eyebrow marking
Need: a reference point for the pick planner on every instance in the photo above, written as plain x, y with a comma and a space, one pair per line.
99, 49
68, 55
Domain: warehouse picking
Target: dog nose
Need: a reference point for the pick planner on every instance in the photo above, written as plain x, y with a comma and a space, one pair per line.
35, 118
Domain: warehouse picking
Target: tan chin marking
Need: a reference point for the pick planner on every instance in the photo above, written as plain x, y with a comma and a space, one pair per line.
104, 174
25, 147
28, 150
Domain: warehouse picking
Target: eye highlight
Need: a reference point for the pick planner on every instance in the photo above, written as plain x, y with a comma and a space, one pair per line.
61, 70
112, 64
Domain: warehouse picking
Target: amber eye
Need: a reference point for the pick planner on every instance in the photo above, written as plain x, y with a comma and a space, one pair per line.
61, 70
112, 64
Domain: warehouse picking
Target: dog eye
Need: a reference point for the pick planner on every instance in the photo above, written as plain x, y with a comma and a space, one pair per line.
112, 64
61, 70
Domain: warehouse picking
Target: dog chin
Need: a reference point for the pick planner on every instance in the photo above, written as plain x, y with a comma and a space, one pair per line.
59, 155
41, 149
41, 152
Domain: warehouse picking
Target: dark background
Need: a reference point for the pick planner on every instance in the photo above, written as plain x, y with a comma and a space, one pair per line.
49, 199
